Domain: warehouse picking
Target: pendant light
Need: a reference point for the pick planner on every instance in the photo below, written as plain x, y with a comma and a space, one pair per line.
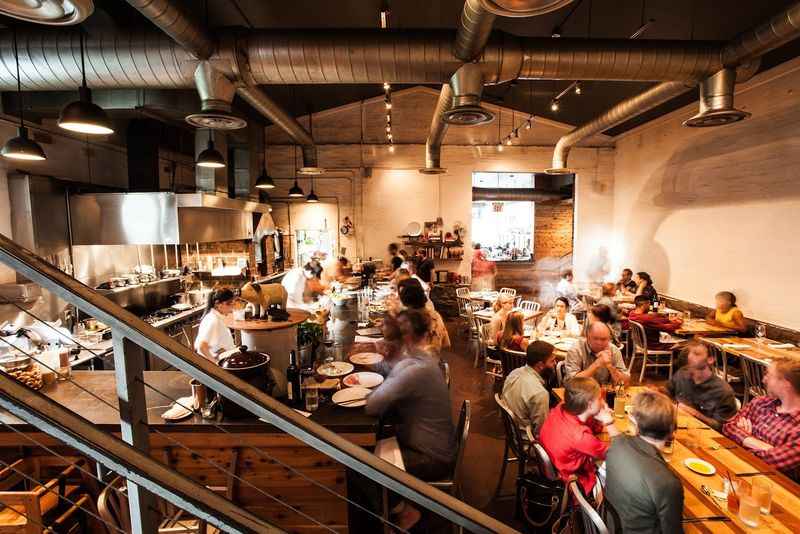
312, 197
295, 191
210, 157
83, 115
21, 147
264, 180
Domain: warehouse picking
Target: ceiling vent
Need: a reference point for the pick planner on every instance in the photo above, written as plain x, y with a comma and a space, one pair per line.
216, 95
716, 102
53, 12
523, 8
467, 84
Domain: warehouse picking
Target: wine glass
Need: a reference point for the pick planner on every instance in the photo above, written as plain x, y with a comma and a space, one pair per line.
761, 332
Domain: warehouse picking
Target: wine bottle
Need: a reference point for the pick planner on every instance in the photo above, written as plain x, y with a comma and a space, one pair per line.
293, 393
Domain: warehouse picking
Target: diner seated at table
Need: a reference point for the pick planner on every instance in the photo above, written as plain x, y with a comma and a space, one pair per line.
602, 313
699, 391
566, 289
502, 306
607, 292
416, 394
769, 426
559, 320
395, 259
513, 335
626, 284
412, 297
570, 432
644, 286
596, 357
525, 390
727, 314
411, 267
653, 323
646, 494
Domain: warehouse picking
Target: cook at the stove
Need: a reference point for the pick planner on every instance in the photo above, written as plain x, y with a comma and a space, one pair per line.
213, 337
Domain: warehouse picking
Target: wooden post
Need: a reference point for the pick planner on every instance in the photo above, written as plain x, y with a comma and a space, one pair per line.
129, 370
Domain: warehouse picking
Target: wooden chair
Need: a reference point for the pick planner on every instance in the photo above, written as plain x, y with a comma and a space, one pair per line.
514, 444
508, 291
753, 374
650, 358
59, 502
452, 484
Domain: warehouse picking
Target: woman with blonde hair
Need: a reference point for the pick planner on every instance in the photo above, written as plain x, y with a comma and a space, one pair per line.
501, 307
513, 335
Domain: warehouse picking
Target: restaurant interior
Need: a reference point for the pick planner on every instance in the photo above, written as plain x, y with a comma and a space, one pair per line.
399, 266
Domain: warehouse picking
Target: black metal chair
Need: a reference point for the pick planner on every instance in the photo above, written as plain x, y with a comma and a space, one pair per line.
514, 443
512, 359
452, 485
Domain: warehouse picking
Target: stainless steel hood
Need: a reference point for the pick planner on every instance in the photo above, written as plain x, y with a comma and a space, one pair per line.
160, 218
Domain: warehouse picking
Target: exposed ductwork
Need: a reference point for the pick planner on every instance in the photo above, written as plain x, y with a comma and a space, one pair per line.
171, 19
52, 12
433, 146
473, 31
508, 194
467, 88
716, 101
216, 96
743, 52
523, 8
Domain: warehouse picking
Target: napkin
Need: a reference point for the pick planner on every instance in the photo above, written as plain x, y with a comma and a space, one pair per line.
781, 346
735, 346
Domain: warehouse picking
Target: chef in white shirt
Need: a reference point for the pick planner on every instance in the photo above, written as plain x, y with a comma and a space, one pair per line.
213, 337
296, 282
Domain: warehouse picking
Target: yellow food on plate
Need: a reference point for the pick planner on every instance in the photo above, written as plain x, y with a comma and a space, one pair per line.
699, 466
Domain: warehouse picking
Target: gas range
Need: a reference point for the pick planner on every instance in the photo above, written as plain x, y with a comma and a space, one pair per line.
164, 317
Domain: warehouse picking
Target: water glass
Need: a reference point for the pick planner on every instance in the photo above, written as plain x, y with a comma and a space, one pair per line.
762, 492
312, 399
749, 510
667, 450
619, 405
761, 332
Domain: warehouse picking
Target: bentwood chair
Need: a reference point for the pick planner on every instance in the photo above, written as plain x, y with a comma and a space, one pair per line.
592, 521
650, 358
753, 374
515, 444
452, 484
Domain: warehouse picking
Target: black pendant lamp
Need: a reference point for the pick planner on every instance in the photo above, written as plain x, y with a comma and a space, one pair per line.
312, 196
295, 191
83, 115
210, 157
21, 147
264, 180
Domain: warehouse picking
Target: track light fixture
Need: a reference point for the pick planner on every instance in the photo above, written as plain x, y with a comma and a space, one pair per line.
578, 88
554, 105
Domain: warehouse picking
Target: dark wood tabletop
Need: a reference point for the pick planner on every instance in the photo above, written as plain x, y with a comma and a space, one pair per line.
166, 386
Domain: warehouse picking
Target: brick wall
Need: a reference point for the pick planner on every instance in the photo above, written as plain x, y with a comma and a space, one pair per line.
230, 251
552, 229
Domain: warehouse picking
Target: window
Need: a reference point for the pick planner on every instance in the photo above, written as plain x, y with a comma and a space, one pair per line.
310, 242
504, 228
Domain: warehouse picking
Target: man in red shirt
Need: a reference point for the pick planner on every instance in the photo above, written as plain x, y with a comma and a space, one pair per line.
769, 426
653, 323
569, 434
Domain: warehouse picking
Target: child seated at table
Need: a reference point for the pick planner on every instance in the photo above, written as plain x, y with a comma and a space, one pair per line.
727, 314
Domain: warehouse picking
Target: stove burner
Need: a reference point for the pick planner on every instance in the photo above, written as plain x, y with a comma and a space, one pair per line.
159, 315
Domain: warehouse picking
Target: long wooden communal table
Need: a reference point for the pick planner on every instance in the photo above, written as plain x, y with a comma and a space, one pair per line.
701, 327
187, 445
756, 350
695, 439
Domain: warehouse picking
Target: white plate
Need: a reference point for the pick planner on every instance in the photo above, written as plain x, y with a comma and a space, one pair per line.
177, 411
366, 358
414, 229
351, 397
182, 306
699, 466
364, 379
335, 369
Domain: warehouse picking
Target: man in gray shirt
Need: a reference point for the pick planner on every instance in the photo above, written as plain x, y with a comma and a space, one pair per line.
524, 389
596, 357
699, 391
646, 494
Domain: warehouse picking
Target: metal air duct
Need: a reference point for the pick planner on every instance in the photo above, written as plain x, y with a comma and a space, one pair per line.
473, 31
433, 145
716, 101
467, 87
171, 19
216, 95
510, 194
523, 8
778, 30
52, 12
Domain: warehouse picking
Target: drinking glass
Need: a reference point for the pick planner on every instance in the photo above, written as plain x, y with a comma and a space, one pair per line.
749, 510
667, 450
692, 435
312, 399
761, 332
687, 315
619, 405
762, 492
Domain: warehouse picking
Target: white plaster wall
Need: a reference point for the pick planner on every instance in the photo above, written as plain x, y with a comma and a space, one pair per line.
705, 210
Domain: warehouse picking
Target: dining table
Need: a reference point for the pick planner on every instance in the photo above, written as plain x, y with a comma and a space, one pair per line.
483, 297
762, 350
701, 327
485, 315
703, 493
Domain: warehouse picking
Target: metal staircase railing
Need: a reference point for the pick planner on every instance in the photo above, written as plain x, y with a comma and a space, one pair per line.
130, 459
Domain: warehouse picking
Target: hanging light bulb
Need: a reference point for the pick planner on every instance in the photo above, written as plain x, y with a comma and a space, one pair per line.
389, 136
391, 148
386, 86
388, 117
83, 115
554, 105
312, 197
528, 124
295, 191
388, 128
385, 13
21, 147
578, 88
210, 157
265, 181
388, 104
499, 147
508, 140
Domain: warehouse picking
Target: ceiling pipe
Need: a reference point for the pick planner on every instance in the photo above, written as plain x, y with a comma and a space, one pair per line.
474, 29
433, 145
516, 194
467, 88
216, 96
716, 102
743, 52
523, 8
174, 22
